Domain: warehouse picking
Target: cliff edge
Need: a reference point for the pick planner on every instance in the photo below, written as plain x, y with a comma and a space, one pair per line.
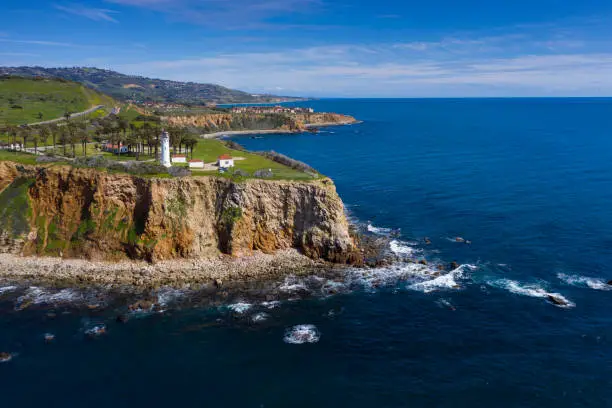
96, 215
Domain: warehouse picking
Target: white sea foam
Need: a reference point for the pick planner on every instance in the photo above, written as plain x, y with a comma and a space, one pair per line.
531, 290
445, 281
7, 289
445, 303
585, 281
96, 331
167, 295
273, 304
400, 248
260, 317
7, 358
293, 284
303, 333
38, 296
378, 230
387, 275
240, 307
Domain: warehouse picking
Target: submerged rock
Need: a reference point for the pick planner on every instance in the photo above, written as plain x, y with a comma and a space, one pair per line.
122, 318
557, 300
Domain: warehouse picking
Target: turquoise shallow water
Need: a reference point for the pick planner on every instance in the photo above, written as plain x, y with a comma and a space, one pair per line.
527, 181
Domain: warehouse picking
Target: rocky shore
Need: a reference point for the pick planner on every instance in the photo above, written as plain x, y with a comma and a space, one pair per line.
178, 272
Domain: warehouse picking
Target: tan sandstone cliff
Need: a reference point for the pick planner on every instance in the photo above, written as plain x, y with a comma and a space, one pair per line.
86, 213
229, 121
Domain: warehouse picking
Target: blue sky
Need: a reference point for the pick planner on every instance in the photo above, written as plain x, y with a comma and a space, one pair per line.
344, 48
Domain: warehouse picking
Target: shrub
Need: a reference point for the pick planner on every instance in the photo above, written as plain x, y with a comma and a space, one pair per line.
263, 173
287, 161
233, 145
179, 171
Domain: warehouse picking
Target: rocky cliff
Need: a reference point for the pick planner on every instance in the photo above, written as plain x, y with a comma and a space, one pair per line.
232, 121
86, 213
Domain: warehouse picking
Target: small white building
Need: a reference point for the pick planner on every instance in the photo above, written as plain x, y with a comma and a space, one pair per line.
179, 158
225, 161
196, 164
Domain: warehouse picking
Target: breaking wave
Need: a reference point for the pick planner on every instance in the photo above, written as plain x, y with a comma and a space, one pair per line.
403, 249
38, 296
7, 289
532, 290
260, 317
584, 281
300, 334
378, 230
240, 307
444, 281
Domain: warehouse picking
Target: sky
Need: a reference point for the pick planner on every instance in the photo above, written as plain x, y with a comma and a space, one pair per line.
327, 48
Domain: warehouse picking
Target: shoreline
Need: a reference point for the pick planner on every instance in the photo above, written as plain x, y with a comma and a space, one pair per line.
173, 273
275, 131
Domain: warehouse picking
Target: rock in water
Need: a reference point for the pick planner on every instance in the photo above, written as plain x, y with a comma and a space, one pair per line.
556, 300
49, 337
454, 265
610, 282
423, 262
5, 357
122, 318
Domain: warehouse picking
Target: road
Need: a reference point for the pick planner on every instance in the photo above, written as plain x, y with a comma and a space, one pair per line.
74, 115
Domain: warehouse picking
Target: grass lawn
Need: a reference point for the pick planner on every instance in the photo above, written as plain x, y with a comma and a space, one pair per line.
209, 149
17, 157
21, 99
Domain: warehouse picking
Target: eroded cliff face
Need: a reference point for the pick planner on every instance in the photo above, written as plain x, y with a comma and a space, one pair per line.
228, 121
85, 213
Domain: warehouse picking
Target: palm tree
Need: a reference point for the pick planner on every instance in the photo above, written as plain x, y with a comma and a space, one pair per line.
64, 137
35, 138
25, 134
53, 130
43, 134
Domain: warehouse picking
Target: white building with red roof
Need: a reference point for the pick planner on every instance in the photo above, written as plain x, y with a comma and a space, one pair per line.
225, 161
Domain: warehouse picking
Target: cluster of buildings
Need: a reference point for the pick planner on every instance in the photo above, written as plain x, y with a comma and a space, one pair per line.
224, 162
270, 109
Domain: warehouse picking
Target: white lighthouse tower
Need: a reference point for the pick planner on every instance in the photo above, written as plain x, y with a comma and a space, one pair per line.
164, 158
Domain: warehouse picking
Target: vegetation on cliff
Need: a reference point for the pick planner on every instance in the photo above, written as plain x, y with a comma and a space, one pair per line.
85, 213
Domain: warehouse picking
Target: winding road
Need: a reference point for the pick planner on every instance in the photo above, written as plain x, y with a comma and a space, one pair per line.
74, 115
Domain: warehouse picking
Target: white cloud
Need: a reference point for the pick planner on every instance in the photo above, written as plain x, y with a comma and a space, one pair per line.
96, 14
351, 71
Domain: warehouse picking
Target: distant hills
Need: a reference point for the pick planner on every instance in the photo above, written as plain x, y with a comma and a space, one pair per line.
140, 89
31, 100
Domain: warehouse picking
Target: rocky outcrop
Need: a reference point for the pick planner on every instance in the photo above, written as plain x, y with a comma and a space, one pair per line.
86, 213
214, 122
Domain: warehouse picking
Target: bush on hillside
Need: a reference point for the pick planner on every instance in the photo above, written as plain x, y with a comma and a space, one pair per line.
288, 161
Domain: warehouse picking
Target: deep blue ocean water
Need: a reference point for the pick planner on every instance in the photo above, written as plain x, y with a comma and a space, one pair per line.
527, 181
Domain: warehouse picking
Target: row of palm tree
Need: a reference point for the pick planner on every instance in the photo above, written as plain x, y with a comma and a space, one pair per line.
139, 140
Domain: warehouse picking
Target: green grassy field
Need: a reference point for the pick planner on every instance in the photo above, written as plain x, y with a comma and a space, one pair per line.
17, 157
33, 100
209, 149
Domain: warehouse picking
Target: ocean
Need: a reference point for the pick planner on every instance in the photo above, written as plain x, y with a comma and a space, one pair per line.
528, 182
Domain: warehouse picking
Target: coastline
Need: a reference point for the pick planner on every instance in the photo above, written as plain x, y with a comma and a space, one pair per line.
275, 131
173, 273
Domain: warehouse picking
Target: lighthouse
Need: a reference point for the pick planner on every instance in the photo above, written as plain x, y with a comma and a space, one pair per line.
164, 158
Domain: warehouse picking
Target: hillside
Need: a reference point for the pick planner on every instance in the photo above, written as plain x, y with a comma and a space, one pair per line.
141, 89
24, 100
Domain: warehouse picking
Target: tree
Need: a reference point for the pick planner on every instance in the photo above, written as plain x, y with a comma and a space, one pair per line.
54, 131
25, 135
35, 138
43, 135
40, 115
64, 137
190, 142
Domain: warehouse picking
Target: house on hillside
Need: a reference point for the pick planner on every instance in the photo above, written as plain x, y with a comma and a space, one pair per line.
225, 161
179, 158
196, 164
114, 148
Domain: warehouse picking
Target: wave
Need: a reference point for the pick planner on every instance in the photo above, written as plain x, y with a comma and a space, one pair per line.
300, 334
445, 281
532, 290
401, 248
38, 296
7, 289
273, 304
260, 317
167, 295
240, 307
378, 230
585, 281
